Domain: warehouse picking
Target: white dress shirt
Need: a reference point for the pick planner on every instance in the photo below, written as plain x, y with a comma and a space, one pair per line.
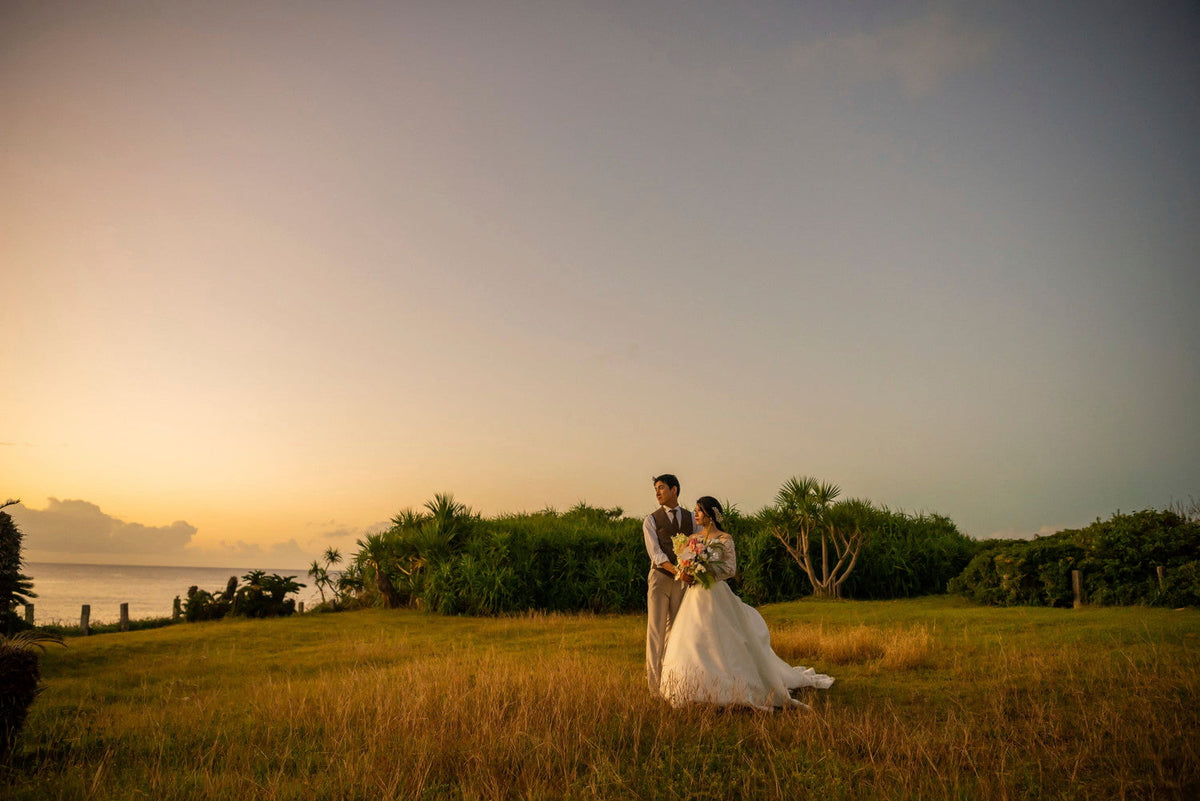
650, 535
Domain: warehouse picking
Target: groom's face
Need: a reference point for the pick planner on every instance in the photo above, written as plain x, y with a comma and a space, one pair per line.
667, 496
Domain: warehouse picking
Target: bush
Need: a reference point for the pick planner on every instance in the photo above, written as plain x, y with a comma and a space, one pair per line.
767, 572
542, 561
904, 556
1181, 587
15, 588
19, 677
265, 596
1118, 559
450, 560
262, 596
908, 555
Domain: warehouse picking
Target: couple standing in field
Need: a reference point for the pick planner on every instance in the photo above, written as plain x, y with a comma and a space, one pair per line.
704, 645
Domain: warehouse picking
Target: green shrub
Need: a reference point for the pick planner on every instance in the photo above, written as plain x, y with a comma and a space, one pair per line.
19, 677
908, 555
767, 572
262, 596
15, 588
1181, 586
265, 596
1118, 560
450, 560
204, 605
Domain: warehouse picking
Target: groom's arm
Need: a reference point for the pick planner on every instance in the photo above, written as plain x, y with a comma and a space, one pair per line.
653, 550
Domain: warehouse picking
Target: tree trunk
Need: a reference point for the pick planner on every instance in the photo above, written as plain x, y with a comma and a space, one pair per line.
391, 598
824, 560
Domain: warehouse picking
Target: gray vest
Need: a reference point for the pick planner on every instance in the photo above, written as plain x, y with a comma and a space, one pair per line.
665, 529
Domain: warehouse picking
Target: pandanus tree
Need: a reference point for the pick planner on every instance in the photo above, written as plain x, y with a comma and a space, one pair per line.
375, 555
320, 573
805, 516
15, 588
416, 539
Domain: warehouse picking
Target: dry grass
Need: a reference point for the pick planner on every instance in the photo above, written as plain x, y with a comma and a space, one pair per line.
895, 649
932, 701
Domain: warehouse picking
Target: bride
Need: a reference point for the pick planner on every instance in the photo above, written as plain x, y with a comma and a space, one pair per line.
719, 649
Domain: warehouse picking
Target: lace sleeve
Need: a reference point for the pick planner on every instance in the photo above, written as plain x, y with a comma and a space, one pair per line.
728, 566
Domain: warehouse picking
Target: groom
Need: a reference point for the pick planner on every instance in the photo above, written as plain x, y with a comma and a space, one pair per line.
663, 592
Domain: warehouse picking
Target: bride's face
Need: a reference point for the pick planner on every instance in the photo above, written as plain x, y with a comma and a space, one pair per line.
701, 518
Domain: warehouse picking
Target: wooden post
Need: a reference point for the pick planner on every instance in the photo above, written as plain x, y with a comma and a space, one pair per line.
85, 616
1077, 585
29, 614
124, 617
302, 607
177, 610
1162, 571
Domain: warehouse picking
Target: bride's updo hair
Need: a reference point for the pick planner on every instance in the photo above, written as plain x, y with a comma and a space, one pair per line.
713, 509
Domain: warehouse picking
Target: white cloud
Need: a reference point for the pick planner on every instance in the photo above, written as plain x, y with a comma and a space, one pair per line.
919, 54
75, 526
80, 531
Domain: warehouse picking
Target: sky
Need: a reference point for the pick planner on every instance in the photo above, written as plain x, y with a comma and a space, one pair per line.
274, 271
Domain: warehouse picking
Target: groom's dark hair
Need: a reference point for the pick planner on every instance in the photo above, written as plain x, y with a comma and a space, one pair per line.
668, 479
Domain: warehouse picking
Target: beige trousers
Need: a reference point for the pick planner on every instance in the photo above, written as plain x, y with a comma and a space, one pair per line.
663, 596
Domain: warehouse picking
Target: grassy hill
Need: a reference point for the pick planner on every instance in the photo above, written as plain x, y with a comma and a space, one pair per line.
934, 699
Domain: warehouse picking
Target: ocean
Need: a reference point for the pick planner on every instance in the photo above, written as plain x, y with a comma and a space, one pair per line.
63, 589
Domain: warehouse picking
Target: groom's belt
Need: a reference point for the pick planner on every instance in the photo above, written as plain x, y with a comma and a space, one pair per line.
664, 571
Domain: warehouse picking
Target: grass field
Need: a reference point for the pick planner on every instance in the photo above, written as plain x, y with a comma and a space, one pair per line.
934, 699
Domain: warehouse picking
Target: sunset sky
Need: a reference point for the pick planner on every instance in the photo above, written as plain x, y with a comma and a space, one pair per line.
274, 271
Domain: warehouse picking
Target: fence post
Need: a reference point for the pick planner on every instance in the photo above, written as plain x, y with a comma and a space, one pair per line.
177, 610
1161, 575
29, 614
302, 607
1077, 586
125, 617
85, 616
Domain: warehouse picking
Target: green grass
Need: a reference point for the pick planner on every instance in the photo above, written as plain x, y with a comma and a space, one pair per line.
72, 629
934, 699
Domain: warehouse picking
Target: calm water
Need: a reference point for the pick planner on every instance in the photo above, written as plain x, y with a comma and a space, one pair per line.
149, 591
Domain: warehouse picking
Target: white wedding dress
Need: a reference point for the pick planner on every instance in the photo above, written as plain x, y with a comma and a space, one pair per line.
719, 652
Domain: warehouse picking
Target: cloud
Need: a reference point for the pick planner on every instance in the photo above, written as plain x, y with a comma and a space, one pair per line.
919, 54
75, 526
80, 531
278, 555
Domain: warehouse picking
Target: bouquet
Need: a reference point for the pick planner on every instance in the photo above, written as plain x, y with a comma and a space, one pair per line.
698, 557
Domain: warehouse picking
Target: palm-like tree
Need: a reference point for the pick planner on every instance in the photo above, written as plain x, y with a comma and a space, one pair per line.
446, 521
804, 507
848, 523
320, 572
375, 554
320, 577
19, 676
15, 588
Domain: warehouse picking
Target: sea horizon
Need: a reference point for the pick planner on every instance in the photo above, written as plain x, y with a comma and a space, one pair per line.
62, 588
